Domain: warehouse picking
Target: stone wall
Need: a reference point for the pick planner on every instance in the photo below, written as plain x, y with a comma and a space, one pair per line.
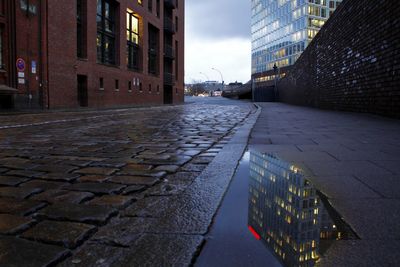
353, 63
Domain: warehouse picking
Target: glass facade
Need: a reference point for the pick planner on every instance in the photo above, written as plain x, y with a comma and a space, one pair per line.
286, 212
282, 29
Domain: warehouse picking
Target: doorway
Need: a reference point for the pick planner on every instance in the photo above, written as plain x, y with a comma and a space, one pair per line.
82, 91
167, 94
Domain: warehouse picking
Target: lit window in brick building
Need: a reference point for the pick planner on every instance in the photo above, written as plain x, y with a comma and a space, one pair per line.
132, 35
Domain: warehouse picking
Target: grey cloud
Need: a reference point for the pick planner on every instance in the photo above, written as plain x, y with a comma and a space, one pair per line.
218, 19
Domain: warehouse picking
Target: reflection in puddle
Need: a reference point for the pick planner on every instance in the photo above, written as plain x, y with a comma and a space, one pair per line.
286, 212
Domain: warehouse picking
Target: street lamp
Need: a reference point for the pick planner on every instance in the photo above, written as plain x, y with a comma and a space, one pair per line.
276, 78
222, 78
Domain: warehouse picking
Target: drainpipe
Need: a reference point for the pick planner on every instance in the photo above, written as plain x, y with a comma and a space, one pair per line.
40, 63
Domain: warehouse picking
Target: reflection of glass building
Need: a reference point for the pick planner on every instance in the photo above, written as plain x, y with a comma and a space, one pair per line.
286, 212
282, 29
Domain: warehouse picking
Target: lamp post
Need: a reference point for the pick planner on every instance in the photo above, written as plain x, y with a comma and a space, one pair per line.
276, 77
220, 73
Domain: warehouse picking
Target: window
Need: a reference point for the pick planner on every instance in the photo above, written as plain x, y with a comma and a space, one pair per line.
1, 48
150, 88
129, 86
140, 2
150, 5
106, 33
132, 35
153, 53
158, 8
81, 28
101, 82
176, 24
116, 84
176, 60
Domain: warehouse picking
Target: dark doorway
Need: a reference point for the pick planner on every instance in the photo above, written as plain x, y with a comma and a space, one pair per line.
6, 101
82, 91
264, 94
167, 94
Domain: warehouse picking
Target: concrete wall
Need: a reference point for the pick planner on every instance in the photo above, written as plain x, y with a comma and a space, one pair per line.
353, 64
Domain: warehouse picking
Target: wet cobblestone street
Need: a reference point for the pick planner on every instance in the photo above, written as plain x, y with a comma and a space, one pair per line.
106, 188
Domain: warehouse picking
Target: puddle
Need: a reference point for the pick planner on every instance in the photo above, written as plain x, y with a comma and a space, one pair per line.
288, 214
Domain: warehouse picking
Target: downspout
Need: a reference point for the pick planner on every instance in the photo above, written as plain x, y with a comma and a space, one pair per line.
47, 56
40, 56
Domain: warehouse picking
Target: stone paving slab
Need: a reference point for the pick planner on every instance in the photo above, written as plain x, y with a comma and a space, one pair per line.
12, 224
53, 196
19, 252
19, 207
91, 214
162, 253
66, 234
362, 253
98, 255
11, 180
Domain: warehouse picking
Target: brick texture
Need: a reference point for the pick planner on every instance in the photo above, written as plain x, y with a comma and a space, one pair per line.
53, 28
353, 64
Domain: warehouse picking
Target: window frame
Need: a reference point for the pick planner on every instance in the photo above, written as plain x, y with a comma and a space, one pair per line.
2, 65
133, 56
106, 22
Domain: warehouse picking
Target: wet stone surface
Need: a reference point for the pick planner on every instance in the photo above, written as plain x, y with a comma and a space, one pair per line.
65, 234
12, 224
105, 170
20, 252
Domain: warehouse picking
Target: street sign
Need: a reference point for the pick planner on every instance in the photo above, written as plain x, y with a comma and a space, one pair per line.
20, 64
33, 67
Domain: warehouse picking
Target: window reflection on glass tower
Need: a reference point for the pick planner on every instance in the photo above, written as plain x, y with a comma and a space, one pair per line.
282, 29
286, 212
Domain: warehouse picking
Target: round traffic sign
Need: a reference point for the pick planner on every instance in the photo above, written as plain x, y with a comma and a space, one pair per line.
20, 64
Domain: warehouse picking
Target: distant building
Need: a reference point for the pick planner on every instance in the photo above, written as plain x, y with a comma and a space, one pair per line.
94, 53
281, 30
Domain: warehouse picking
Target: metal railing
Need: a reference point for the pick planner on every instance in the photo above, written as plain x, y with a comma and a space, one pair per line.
170, 3
168, 78
169, 51
169, 25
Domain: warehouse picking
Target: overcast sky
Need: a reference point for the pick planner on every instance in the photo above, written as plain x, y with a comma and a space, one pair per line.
217, 36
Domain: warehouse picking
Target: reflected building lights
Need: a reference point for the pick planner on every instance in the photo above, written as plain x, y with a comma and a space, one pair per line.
286, 211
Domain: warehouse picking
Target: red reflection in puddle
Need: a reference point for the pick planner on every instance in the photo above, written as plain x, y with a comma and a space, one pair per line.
257, 236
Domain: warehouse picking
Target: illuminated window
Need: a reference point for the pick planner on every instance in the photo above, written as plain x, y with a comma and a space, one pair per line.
106, 32
132, 35
139, 2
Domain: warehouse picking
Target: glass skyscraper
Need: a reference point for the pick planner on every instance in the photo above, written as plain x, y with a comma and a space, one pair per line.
286, 212
282, 29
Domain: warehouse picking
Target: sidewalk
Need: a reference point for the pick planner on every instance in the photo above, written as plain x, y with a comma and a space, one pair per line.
354, 160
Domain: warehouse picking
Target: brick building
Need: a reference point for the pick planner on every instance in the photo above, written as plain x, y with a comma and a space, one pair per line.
95, 53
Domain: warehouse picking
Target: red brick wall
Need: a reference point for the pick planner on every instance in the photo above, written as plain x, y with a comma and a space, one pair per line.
353, 63
61, 65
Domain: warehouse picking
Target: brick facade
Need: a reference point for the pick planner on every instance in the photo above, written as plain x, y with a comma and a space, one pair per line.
47, 38
353, 64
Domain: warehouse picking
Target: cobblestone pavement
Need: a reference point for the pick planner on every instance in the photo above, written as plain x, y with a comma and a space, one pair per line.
103, 188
